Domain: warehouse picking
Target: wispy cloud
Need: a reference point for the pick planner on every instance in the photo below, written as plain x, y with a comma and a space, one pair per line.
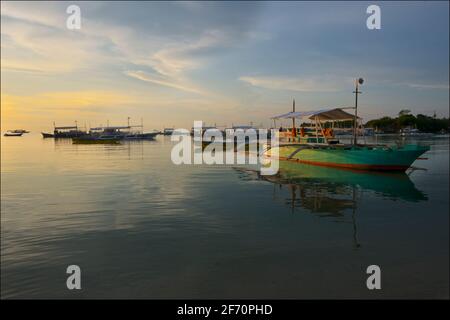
157, 79
172, 63
6, 66
292, 83
437, 86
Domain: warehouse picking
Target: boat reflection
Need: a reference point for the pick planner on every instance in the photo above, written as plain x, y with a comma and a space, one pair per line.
334, 193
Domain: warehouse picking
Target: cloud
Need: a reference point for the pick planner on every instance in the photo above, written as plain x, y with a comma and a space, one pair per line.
159, 80
171, 64
28, 44
140, 40
178, 57
7, 66
438, 86
327, 84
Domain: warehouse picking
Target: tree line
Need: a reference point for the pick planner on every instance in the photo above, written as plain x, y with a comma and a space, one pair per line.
405, 119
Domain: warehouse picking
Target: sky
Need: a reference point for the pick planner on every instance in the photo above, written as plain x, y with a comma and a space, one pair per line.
170, 63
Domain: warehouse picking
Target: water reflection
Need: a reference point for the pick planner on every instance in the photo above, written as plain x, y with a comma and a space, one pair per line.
134, 149
333, 193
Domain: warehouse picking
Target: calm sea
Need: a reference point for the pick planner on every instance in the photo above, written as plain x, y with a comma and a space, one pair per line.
140, 227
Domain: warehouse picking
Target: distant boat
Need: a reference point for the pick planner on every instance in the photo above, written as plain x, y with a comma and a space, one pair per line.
412, 132
168, 131
64, 132
120, 133
19, 131
47, 135
13, 134
204, 129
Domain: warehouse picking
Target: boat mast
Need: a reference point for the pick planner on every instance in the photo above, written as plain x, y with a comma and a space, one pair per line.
356, 92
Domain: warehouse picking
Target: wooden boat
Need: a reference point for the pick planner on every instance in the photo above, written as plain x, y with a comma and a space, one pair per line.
363, 157
47, 135
13, 134
64, 132
121, 133
19, 131
322, 148
68, 132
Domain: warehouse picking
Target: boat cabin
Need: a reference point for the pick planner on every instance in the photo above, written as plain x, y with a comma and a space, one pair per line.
317, 127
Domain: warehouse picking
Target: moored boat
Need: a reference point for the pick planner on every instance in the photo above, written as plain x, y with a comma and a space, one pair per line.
64, 132
13, 134
121, 133
47, 135
321, 147
19, 131
363, 157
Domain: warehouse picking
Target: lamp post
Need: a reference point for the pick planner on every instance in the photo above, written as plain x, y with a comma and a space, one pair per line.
358, 82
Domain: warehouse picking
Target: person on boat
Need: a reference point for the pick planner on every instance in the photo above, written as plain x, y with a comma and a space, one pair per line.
302, 132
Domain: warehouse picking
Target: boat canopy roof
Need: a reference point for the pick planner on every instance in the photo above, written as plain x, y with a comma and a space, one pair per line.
66, 128
114, 128
336, 114
241, 127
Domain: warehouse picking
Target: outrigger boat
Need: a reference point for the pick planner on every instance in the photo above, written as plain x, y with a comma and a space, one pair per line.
322, 148
114, 134
19, 131
120, 133
13, 134
64, 132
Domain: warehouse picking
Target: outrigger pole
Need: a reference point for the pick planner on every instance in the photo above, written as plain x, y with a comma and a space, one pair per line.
356, 92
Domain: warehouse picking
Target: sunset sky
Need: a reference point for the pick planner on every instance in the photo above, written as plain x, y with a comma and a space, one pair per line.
220, 62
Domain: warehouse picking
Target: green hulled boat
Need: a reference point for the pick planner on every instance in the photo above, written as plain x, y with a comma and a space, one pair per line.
364, 157
318, 145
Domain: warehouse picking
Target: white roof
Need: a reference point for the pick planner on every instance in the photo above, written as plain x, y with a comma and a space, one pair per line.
111, 128
324, 114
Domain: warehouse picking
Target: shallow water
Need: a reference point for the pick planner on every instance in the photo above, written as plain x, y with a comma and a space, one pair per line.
140, 227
